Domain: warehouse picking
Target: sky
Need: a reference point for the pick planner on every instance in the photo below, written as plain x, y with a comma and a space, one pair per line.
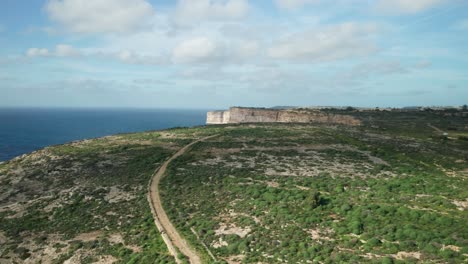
220, 53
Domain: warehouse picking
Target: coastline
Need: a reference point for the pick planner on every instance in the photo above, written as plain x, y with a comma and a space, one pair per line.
25, 130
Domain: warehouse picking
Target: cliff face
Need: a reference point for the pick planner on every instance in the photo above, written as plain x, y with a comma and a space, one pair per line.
236, 115
216, 117
252, 115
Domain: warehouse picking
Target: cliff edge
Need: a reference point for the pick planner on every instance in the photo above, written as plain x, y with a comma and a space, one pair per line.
237, 115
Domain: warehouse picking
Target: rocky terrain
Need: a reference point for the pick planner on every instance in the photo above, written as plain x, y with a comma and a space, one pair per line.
391, 190
85, 202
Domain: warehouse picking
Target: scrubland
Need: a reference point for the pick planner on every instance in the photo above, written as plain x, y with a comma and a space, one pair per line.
393, 190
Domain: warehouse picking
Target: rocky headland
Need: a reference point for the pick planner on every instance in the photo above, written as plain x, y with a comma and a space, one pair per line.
237, 115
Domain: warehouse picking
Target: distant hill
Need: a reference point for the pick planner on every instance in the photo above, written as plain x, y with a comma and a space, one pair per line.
279, 107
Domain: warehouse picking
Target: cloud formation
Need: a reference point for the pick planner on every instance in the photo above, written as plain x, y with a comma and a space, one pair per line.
37, 52
238, 51
99, 16
197, 50
406, 6
61, 50
189, 12
294, 4
367, 70
130, 57
331, 43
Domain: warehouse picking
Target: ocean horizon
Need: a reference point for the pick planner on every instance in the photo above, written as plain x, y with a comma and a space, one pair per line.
24, 130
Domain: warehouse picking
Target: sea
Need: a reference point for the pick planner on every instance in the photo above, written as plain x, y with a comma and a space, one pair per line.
23, 130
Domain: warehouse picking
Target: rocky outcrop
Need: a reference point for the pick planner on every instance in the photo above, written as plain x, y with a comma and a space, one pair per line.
252, 115
216, 117
236, 115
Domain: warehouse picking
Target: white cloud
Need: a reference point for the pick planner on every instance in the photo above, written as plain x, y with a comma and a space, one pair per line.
100, 16
248, 49
366, 70
406, 6
124, 56
206, 50
331, 43
294, 4
195, 11
61, 50
131, 57
37, 52
197, 50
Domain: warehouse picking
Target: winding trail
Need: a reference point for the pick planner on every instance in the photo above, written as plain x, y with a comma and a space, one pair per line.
168, 232
435, 128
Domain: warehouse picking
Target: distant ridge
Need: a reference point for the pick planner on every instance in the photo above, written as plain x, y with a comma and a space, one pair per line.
280, 107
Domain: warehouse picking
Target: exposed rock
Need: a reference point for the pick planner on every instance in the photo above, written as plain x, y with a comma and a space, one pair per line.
237, 115
401, 255
117, 195
232, 230
86, 237
461, 205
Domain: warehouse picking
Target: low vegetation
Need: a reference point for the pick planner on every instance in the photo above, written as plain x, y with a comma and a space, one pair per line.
327, 194
86, 201
393, 190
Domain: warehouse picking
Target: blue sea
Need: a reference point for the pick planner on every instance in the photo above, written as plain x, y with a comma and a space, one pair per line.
25, 130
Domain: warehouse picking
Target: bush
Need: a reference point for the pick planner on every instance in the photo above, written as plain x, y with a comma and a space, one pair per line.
373, 242
387, 260
22, 252
345, 207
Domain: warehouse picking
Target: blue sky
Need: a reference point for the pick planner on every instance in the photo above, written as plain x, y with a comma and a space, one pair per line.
220, 53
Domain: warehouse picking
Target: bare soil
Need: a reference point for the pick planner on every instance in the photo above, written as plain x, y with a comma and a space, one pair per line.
169, 233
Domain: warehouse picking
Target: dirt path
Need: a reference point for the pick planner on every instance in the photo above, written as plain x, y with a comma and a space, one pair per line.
435, 128
168, 232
